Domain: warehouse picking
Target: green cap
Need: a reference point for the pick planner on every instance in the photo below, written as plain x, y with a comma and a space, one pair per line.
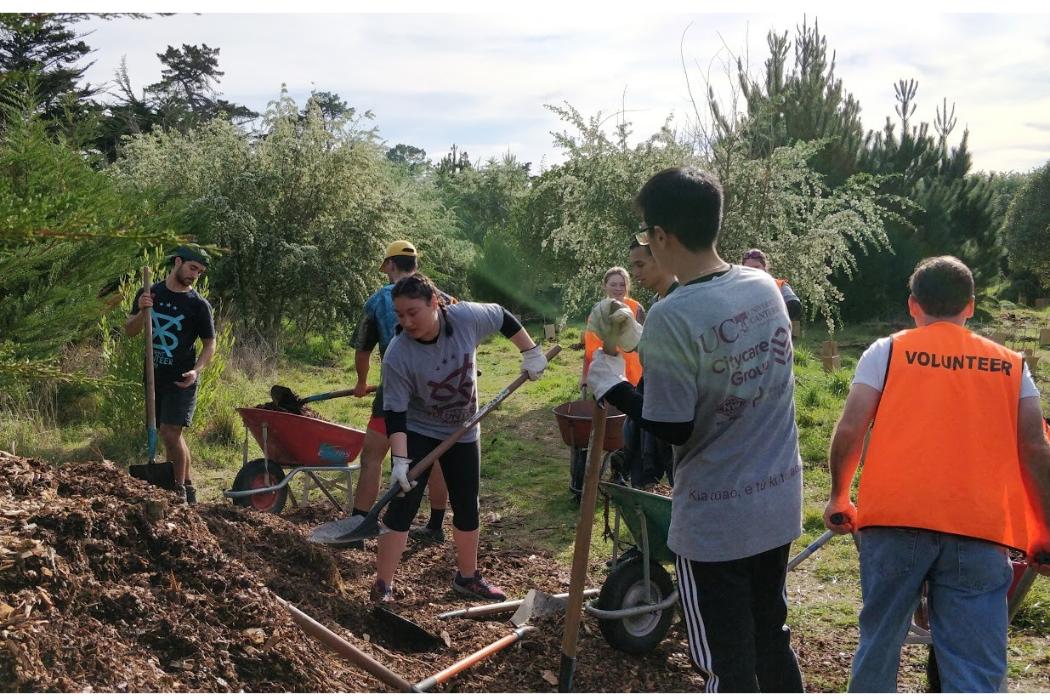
189, 252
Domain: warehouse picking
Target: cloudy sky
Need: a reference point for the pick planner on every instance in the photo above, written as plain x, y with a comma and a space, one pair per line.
481, 80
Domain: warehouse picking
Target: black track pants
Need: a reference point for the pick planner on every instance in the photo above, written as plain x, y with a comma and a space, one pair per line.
735, 613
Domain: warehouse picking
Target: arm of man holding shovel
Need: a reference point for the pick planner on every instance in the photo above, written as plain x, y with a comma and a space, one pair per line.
608, 380
136, 320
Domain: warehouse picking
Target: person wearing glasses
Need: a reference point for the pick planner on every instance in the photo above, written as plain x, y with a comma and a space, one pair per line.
719, 386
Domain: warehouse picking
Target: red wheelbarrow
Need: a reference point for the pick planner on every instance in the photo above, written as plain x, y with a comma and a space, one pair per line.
574, 423
303, 444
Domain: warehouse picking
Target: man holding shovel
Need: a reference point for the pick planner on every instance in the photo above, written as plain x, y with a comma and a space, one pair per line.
378, 326
180, 317
719, 386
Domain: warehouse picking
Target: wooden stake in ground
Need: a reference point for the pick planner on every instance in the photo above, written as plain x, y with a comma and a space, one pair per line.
582, 547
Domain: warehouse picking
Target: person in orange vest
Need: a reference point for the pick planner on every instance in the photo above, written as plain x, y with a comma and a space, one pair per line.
957, 470
617, 285
757, 259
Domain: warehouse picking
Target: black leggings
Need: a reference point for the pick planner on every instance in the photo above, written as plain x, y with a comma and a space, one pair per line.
461, 466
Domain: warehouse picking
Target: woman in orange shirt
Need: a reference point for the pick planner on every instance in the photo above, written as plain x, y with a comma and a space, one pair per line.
617, 285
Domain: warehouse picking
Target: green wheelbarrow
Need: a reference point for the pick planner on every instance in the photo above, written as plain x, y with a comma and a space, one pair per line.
635, 607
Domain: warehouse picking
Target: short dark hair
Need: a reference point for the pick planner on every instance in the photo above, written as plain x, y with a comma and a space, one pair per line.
943, 286
636, 244
404, 263
684, 202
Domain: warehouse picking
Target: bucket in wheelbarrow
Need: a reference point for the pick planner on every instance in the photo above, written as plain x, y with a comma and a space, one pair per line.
574, 422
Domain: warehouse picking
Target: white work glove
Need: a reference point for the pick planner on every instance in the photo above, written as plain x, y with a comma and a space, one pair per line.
605, 372
614, 322
399, 474
533, 362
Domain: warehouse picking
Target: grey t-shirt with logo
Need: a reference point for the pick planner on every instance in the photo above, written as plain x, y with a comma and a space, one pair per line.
719, 353
436, 383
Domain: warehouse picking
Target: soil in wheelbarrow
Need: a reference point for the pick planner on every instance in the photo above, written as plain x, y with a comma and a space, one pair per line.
108, 584
299, 410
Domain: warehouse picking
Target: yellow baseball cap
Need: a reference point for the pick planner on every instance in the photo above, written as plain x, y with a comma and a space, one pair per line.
400, 248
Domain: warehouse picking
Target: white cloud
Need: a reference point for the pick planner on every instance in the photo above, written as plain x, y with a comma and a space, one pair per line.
483, 79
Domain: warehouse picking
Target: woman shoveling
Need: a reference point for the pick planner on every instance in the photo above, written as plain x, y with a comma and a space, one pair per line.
430, 385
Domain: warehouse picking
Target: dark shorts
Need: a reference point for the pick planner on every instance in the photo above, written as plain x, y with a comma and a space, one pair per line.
175, 406
377, 403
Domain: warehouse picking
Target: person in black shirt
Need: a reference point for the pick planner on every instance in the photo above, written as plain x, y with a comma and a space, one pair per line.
180, 317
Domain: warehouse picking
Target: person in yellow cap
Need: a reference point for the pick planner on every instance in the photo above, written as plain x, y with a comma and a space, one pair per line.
378, 326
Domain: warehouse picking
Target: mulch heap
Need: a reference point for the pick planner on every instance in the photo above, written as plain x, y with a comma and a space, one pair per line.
107, 584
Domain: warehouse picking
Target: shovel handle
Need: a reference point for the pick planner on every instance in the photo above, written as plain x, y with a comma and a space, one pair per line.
582, 548
436, 453
151, 395
344, 648
334, 395
479, 655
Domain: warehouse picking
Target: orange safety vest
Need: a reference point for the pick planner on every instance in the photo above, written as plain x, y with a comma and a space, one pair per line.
942, 454
591, 342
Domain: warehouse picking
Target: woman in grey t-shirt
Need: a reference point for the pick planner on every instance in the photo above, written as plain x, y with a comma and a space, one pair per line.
429, 390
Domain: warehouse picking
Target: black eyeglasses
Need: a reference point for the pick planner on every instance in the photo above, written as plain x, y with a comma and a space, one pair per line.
642, 234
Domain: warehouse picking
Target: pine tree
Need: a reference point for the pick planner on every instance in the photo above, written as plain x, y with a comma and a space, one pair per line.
41, 54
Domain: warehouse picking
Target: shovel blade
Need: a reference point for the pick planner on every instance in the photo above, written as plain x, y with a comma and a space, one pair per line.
404, 633
285, 398
537, 604
346, 531
160, 474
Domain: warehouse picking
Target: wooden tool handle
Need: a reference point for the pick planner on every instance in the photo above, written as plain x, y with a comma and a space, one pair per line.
147, 327
582, 547
344, 648
451, 440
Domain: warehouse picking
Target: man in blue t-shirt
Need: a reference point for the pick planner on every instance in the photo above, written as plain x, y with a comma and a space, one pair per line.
378, 327
180, 317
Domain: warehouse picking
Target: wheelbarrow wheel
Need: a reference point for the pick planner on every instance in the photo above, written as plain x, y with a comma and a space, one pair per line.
253, 476
624, 587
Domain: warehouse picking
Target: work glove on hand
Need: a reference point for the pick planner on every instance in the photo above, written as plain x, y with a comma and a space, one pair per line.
533, 362
605, 372
614, 322
399, 474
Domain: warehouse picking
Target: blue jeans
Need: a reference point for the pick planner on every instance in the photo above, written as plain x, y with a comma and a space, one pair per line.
968, 580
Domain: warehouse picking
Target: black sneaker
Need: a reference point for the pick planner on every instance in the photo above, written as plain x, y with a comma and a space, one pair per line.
427, 535
477, 587
191, 493
381, 592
